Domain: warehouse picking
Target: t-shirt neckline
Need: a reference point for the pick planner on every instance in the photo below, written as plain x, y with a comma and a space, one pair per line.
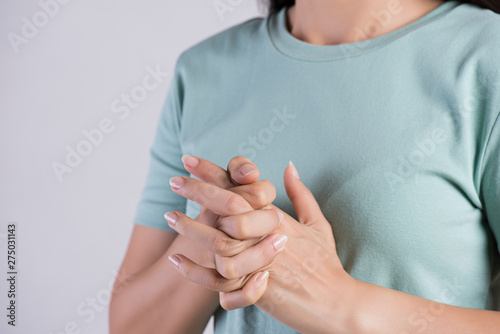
293, 47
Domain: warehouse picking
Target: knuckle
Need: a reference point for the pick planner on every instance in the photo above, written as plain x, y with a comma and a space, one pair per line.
224, 303
227, 268
219, 244
209, 191
210, 282
242, 227
216, 177
205, 190
192, 187
262, 193
270, 189
186, 271
259, 195
230, 285
224, 180
213, 172
234, 204
248, 298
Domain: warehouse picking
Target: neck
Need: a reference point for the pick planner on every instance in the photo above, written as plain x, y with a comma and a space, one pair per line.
332, 22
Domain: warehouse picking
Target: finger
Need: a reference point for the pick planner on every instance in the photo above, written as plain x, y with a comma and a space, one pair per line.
211, 173
242, 170
249, 295
305, 205
219, 201
207, 217
206, 277
258, 194
215, 240
251, 259
207, 171
253, 224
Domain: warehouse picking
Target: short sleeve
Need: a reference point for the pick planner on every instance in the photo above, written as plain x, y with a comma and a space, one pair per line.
488, 70
491, 180
165, 162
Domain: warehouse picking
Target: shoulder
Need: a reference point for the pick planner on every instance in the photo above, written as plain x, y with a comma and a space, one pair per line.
472, 37
478, 26
225, 46
482, 30
472, 12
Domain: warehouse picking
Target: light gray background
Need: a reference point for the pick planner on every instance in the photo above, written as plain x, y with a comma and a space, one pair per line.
72, 234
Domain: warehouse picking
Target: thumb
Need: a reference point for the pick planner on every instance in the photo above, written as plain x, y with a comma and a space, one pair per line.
305, 205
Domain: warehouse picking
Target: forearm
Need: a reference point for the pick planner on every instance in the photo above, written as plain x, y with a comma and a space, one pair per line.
355, 307
376, 309
160, 300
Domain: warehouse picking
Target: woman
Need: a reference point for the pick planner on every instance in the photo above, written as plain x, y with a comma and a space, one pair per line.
389, 110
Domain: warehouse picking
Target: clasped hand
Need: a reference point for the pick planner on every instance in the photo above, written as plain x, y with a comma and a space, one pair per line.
261, 255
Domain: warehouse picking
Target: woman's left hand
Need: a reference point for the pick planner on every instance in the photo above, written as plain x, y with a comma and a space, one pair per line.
304, 287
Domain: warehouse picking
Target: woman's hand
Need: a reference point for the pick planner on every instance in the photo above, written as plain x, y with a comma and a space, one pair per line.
305, 286
241, 178
240, 181
306, 280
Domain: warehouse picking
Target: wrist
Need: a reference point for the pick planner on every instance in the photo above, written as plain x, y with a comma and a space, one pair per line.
364, 309
344, 313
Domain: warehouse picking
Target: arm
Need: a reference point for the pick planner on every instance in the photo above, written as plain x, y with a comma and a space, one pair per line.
309, 290
154, 298
382, 310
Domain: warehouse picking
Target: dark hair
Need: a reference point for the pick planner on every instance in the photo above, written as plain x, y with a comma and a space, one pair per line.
274, 6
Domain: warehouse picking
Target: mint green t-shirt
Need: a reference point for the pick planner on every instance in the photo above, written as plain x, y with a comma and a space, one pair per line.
397, 137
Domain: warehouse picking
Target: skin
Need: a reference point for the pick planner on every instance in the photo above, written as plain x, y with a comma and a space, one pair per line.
150, 295
340, 21
307, 288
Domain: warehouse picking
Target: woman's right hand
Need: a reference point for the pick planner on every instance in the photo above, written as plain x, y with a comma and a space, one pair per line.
244, 194
151, 296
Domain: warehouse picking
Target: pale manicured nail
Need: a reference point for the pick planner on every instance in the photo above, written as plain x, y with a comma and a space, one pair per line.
280, 241
171, 217
294, 170
280, 216
176, 182
247, 169
175, 260
261, 279
190, 161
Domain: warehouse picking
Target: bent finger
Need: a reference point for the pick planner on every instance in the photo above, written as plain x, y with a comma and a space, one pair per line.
242, 170
206, 277
220, 201
207, 171
212, 238
258, 194
249, 295
252, 259
253, 224
211, 173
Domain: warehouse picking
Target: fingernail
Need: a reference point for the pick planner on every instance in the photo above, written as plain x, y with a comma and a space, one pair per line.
247, 169
294, 170
171, 217
190, 161
176, 182
175, 260
280, 216
279, 242
261, 279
